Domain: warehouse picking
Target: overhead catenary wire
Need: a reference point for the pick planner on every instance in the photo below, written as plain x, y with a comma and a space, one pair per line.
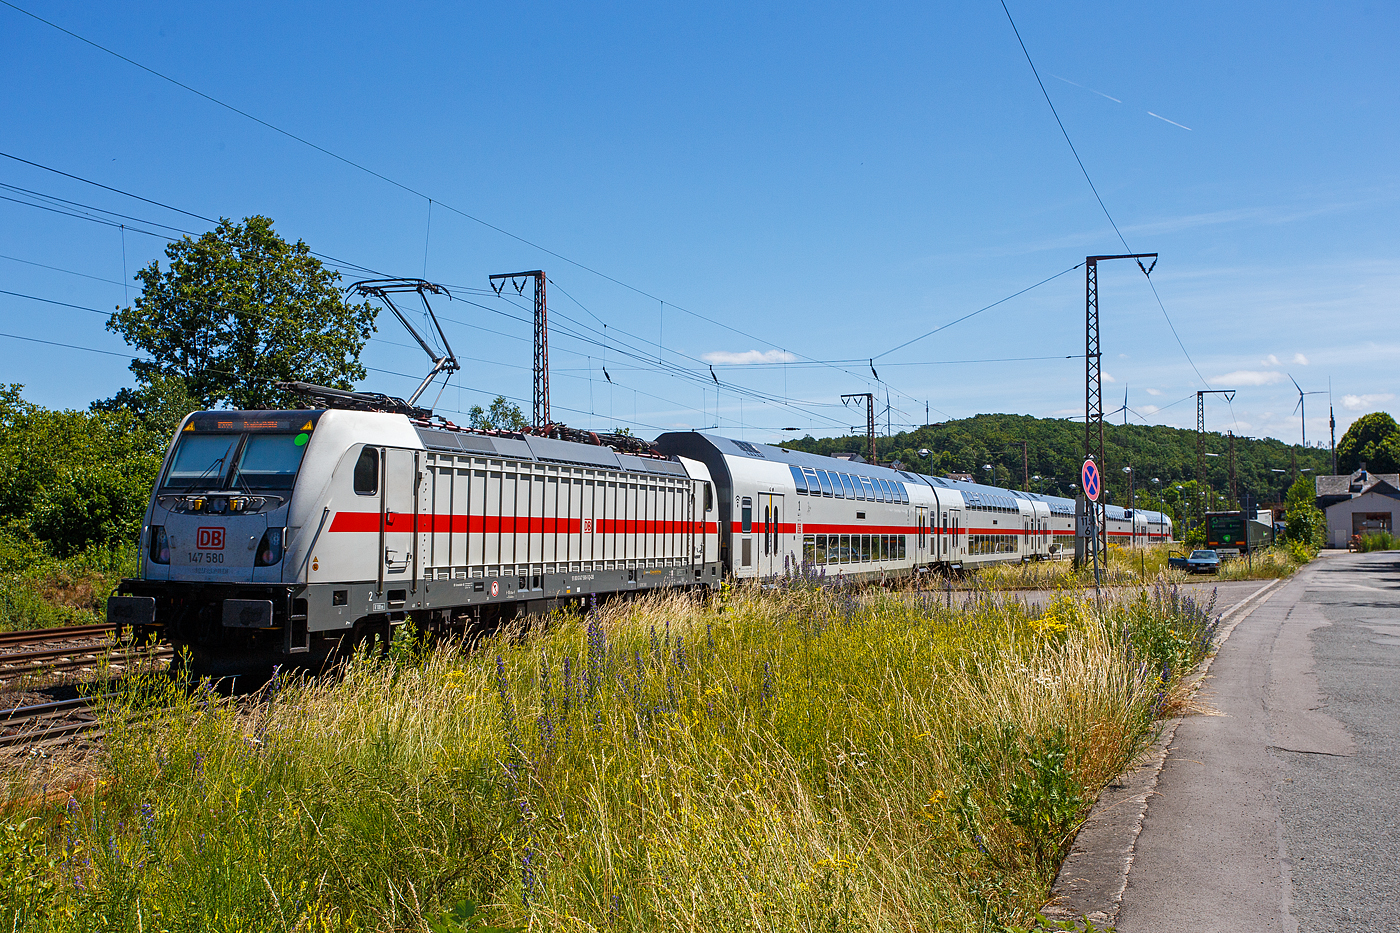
1094, 188
418, 193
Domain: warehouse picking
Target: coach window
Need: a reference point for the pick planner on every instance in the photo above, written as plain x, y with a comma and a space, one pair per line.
846, 484
799, 480
746, 516
367, 472
825, 482
868, 488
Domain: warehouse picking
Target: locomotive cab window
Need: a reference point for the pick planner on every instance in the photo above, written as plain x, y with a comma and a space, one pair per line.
201, 460
367, 472
269, 461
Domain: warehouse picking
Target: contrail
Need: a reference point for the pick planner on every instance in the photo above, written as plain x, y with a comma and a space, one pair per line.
1086, 87
1172, 122
1114, 99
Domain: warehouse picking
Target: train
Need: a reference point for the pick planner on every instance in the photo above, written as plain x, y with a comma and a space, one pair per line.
272, 537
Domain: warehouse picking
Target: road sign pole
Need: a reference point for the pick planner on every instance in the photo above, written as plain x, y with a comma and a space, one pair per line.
1092, 479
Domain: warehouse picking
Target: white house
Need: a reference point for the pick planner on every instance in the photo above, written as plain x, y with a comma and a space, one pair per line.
1360, 504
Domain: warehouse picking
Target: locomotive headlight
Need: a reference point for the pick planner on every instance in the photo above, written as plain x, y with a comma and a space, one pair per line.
270, 547
159, 545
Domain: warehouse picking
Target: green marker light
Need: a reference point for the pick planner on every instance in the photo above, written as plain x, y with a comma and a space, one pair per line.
301, 439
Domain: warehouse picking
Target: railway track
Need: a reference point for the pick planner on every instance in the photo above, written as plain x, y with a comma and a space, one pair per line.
38, 636
43, 723
76, 647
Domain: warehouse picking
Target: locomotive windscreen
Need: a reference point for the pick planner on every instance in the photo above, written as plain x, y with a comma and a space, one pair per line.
254, 450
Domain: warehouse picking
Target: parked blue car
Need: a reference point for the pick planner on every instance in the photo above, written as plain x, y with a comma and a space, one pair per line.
1203, 562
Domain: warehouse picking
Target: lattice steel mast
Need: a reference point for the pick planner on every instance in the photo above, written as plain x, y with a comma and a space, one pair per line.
517, 280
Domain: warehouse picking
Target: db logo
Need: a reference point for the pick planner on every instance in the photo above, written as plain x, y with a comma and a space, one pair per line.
495, 588
588, 526
209, 539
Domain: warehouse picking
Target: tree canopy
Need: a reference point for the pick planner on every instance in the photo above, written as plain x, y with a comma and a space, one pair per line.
501, 416
235, 312
1372, 439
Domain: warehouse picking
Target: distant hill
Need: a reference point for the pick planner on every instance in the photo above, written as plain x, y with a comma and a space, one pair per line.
1056, 451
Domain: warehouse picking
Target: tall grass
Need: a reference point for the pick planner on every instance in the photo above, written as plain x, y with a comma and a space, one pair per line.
38, 590
801, 760
1120, 566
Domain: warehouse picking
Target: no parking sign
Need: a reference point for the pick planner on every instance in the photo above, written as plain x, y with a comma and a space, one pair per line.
1093, 484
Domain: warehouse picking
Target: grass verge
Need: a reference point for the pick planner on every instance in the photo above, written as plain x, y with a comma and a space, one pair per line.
38, 590
799, 760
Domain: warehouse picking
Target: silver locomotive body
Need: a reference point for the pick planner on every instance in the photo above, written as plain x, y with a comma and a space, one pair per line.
272, 535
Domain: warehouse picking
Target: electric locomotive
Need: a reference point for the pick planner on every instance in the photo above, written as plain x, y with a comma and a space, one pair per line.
274, 534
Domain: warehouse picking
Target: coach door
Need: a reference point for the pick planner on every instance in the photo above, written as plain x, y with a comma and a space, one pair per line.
921, 518
771, 547
954, 534
398, 522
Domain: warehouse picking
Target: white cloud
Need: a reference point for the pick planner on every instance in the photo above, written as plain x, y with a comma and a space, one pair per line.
748, 357
1153, 392
1150, 409
1270, 360
1108, 378
1359, 402
1300, 358
1248, 377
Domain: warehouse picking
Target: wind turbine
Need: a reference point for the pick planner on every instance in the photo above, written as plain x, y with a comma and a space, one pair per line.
1123, 408
1300, 407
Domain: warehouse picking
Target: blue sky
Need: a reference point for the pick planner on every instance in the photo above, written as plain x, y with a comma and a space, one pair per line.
782, 191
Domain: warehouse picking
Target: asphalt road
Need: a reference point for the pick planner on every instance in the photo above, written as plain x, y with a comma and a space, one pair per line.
1278, 808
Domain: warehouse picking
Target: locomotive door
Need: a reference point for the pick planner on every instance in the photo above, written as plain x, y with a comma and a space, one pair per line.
397, 519
771, 548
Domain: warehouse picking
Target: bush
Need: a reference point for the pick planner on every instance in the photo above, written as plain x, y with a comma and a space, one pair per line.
74, 480
1383, 541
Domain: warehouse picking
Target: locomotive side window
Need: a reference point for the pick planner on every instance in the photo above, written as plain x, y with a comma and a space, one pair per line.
367, 472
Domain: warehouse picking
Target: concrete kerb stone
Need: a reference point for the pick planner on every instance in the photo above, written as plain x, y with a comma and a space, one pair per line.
1092, 879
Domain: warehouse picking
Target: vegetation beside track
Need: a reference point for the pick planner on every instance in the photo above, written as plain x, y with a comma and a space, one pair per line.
801, 759
1139, 567
39, 590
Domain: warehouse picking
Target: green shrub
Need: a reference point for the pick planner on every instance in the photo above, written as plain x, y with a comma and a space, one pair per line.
1382, 541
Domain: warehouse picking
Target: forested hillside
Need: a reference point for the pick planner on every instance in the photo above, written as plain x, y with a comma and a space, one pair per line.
1056, 451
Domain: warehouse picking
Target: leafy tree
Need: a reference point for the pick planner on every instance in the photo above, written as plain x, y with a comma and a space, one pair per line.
1372, 439
1305, 522
501, 416
160, 403
237, 311
73, 480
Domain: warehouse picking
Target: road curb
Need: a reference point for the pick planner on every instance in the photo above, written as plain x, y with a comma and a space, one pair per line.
1091, 882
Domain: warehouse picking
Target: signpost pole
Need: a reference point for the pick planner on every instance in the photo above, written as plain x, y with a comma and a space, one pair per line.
1093, 487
